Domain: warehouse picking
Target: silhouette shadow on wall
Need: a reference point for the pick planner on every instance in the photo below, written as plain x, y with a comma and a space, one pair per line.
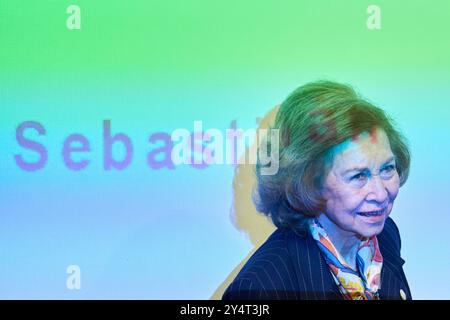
243, 213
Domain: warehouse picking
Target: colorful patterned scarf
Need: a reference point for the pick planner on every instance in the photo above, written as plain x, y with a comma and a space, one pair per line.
362, 284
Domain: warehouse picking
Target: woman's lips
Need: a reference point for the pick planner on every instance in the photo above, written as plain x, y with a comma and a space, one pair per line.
373, 216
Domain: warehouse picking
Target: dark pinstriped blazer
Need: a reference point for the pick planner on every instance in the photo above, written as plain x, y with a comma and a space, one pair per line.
289, 266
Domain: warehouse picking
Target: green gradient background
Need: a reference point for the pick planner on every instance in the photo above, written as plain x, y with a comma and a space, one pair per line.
160, 65
224, 36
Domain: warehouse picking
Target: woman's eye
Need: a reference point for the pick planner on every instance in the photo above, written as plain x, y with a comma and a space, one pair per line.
359, 177
388, 172
389, 168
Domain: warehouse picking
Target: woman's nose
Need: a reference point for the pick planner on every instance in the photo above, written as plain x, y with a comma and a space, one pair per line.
377, 190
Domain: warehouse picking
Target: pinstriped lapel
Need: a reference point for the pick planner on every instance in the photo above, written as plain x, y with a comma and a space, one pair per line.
390, 284
314, 278
392, 276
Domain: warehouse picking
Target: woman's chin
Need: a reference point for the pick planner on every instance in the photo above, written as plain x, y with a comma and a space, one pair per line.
368, 227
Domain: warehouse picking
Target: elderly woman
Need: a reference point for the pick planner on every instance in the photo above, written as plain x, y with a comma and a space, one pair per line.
341, 164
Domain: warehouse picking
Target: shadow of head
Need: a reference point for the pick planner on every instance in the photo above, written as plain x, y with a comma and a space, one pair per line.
243, 213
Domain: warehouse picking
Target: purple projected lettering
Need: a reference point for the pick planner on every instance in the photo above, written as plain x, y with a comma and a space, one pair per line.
108, 141
326, 128
198, 148
68, 149
165, 150
32, 145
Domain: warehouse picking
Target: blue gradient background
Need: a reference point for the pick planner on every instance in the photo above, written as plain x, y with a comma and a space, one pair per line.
149, 67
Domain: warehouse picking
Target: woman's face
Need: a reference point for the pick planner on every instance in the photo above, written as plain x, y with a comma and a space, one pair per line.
362, 184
